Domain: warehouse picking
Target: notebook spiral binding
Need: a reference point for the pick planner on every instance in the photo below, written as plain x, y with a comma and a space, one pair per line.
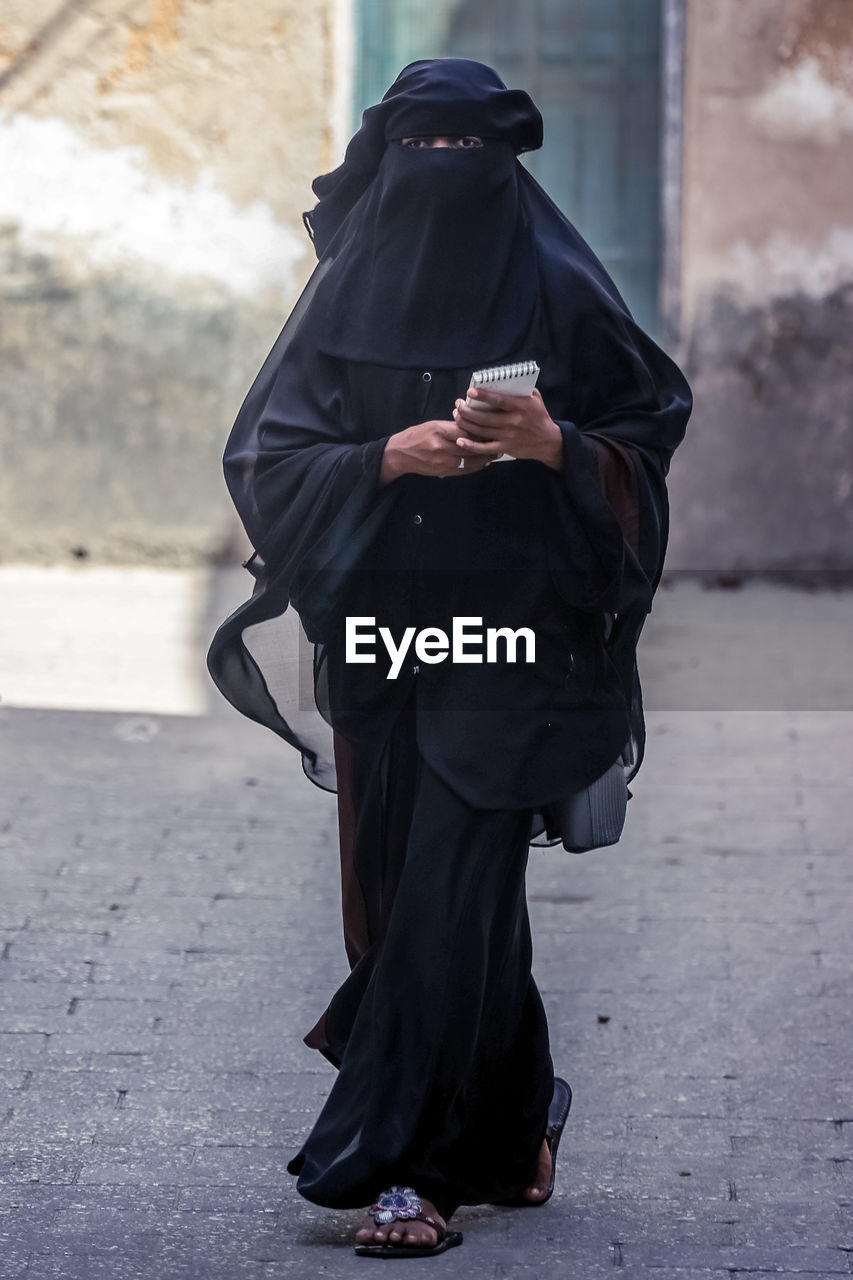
505, 372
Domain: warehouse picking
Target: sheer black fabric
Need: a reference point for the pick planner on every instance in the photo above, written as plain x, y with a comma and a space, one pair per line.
440, 254
431, 264
439, 1027
583, 549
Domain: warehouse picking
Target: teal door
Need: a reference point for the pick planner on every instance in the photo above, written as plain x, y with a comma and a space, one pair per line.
593, 67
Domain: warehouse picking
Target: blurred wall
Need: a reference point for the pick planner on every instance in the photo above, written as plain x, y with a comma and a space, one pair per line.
764, 479
155, 156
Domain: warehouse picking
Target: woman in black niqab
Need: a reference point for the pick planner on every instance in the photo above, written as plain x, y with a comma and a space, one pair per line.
366, 493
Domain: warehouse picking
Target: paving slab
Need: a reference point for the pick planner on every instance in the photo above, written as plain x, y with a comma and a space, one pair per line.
169, 929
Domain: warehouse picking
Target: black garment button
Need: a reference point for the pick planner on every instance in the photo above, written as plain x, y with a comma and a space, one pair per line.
417, 519
427, 377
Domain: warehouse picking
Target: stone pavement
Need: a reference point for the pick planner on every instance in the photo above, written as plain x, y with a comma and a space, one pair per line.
169, 930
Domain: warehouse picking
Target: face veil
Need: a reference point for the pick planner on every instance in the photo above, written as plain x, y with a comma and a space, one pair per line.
431, 253
436, 266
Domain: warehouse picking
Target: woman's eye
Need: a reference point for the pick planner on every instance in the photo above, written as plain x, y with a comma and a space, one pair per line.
416, 144
470, 141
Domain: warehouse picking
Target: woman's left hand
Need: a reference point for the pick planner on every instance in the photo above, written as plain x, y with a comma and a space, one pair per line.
518, 425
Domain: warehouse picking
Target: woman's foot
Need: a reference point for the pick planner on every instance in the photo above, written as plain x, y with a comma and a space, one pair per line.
410, 1232
538, 1188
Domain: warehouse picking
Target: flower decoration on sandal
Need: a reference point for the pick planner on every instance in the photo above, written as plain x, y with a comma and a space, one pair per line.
398, 1202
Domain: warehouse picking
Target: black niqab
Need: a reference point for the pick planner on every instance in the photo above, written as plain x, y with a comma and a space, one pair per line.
432, 97
432, 253
435, 265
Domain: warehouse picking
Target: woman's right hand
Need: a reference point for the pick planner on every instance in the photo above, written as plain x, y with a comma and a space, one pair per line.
429, 449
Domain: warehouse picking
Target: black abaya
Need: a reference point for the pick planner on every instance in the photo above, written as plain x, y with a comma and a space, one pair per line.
445, 772
439, 1031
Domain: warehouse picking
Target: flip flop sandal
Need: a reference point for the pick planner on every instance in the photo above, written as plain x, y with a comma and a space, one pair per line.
403, 1204
558, 1112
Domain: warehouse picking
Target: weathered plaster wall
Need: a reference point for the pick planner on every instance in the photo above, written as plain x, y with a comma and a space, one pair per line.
155, 158
765, 478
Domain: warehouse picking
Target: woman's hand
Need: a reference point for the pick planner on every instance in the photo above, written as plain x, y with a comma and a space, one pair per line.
430, 449
518, 425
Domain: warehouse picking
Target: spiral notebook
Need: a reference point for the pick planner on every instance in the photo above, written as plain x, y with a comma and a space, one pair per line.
510, 380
